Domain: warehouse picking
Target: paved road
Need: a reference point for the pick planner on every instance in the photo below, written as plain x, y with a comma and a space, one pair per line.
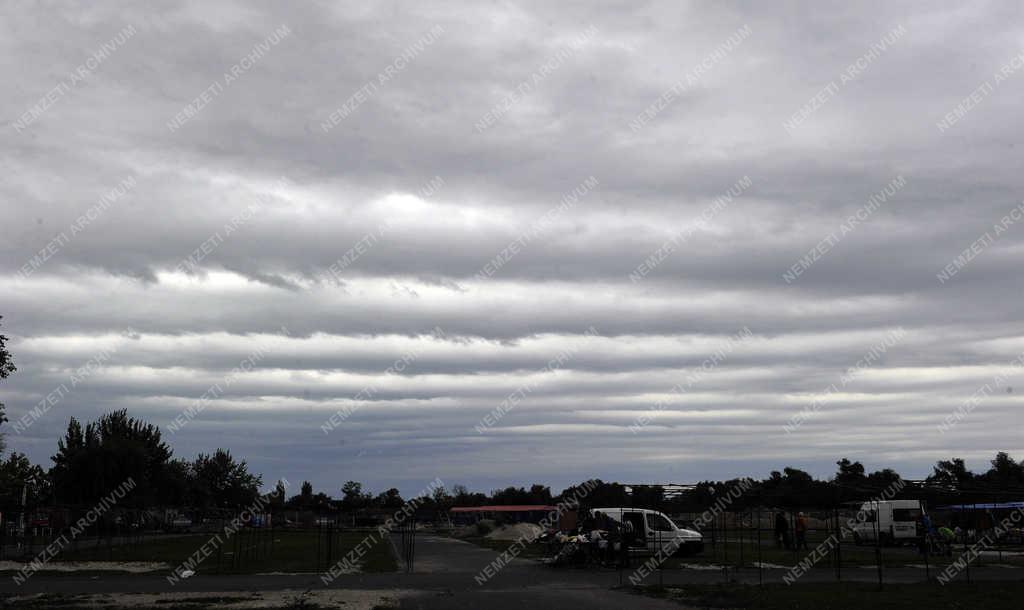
455, 569
444, 578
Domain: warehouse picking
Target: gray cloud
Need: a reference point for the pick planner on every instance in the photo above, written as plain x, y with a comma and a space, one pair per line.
348, 321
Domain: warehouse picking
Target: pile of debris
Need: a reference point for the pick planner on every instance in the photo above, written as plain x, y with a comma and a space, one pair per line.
528, 532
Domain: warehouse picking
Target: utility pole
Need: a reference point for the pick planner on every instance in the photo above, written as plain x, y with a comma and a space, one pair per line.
24, 496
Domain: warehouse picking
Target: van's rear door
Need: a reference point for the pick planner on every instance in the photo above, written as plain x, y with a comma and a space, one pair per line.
637, 539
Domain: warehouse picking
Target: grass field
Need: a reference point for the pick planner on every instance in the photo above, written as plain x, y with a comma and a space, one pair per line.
77, 602
285, 551
846, 596
850, 555
224, 600
730, 554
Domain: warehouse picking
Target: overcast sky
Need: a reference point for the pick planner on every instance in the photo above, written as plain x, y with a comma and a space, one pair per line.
667, 231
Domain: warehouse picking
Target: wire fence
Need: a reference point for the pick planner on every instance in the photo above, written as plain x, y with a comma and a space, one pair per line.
291, 541
848, 539
756, 531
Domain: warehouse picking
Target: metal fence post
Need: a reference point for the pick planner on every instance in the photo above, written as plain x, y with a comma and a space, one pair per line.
963, 530
926, 544
236, 559
792, 534
760, 564
725, 537
838, 533
714, 538
412, 547
661, 563
741, 540
977, 530
878, 543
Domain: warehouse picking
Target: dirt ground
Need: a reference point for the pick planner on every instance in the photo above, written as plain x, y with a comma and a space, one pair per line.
447, 574
350, 599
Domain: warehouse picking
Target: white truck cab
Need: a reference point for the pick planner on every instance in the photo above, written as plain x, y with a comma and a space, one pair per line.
888, 521
646, 531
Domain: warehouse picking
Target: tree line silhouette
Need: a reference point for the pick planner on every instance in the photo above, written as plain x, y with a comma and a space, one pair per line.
91, 460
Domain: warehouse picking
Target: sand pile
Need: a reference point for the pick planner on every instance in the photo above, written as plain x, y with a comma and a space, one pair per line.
526, 531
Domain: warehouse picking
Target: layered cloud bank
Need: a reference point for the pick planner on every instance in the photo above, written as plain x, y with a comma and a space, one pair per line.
487, 225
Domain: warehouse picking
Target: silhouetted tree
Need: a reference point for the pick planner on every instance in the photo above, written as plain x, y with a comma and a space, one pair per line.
540, 494
794, 488
322, 502
17, 473
1005, 472
461, 496
952, 474
389, 499
6, 368
601, 494
92, 463
71, 464
178, 488
352, 496
881, 480
442, 499
224, 483
648, 496
850, 473
510, 495
277, 497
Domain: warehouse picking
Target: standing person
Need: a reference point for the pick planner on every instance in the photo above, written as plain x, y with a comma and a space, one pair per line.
627, 541
922, 535
589, 522
947, 538
600, 537
613, 550
927, 534
781, 529
801, 531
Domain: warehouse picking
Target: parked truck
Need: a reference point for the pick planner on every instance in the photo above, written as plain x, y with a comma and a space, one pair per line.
888, 522
648, 531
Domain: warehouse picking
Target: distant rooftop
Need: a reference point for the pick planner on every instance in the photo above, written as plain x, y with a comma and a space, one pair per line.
506, 508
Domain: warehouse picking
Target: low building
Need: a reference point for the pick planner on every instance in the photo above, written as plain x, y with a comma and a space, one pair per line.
517, 513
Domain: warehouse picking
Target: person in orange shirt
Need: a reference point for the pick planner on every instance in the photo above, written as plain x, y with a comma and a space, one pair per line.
801, 531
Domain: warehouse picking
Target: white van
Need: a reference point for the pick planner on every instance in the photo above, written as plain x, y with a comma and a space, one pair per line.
888, 521
650, 530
